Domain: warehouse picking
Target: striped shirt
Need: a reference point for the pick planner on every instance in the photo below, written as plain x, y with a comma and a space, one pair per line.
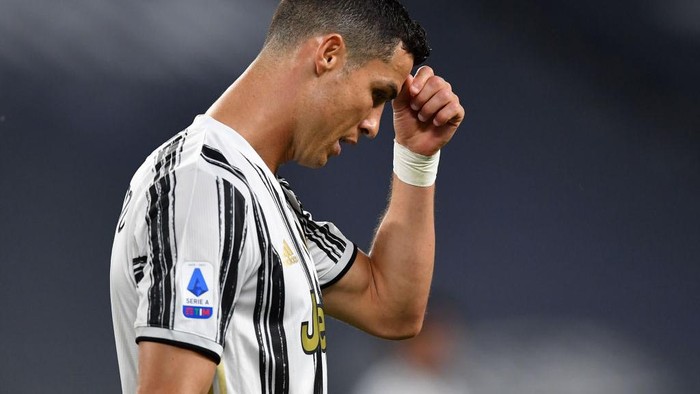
214, 253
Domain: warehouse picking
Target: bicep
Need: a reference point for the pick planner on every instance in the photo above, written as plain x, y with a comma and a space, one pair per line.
363, 298
165, 368
350, 282
352, 299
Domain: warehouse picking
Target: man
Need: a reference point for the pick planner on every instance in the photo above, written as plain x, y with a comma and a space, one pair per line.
220, 280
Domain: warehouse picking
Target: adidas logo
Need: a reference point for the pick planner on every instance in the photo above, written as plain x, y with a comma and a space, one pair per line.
288, 256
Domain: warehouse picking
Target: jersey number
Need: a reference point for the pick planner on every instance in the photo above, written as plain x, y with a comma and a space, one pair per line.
311, 342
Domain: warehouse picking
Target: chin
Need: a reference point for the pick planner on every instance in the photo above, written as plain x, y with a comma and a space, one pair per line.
314, 164
321, 163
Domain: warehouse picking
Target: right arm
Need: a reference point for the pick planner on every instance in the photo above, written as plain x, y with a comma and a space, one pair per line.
173, 370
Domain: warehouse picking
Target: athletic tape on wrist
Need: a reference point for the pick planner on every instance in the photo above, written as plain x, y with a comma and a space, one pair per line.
413, 168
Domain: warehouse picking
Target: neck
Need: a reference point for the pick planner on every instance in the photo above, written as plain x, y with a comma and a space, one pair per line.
260, 107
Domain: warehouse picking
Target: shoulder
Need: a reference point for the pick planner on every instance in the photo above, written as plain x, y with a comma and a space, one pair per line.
197, 170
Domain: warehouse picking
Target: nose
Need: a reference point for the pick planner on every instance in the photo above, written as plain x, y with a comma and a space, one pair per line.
370, 125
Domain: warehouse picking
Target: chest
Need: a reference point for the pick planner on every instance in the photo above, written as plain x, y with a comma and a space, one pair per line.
283, 245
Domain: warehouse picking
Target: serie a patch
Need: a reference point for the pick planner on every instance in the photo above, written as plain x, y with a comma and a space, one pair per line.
196, 284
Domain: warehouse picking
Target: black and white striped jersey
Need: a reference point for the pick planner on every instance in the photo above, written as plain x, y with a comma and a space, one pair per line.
214, 253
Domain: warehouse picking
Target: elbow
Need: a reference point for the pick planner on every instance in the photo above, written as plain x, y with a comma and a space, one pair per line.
401, 328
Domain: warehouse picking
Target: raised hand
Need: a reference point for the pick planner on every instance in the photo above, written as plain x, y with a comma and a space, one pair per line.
426, 112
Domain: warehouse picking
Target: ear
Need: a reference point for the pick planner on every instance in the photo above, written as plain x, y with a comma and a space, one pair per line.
331, 53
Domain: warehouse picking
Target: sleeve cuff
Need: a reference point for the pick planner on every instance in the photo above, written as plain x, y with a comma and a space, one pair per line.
185, 340
341, 268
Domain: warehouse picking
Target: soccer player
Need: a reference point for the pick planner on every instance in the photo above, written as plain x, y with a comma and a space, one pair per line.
220, 280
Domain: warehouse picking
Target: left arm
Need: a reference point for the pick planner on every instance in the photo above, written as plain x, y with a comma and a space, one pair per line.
386, 291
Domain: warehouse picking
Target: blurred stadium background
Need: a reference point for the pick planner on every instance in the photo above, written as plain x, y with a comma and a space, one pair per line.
568, 210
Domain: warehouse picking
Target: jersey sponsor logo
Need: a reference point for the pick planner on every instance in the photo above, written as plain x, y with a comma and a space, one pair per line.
196, 312
288, 256
197, 300
312, 341
198, 285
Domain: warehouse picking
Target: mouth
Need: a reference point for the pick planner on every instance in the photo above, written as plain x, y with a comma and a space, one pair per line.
335, 151
346, 140
336, 148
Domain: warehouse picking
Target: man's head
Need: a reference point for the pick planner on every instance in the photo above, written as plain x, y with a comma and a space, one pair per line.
339, 62
371, 28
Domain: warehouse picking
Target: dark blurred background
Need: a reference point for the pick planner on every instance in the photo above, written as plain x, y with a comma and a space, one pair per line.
567, 203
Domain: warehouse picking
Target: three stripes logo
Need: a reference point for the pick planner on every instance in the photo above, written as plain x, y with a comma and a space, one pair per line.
288, 256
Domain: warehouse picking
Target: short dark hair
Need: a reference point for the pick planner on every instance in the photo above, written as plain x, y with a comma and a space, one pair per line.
371, 28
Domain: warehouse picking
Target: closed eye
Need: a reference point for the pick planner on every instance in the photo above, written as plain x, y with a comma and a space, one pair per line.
383, 92
379, 97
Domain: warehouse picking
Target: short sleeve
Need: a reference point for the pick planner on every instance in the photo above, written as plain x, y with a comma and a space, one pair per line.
196, 228
333, 254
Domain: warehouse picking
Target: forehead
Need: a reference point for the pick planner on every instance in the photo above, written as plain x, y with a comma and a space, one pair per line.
393, 72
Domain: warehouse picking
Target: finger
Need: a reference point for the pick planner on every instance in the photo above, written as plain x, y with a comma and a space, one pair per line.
433, 86
452, 113
422, 76
441, 99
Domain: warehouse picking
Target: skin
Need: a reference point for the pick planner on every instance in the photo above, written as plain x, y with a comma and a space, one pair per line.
301, 106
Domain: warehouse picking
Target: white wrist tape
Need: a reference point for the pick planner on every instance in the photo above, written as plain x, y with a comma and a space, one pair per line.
415, 169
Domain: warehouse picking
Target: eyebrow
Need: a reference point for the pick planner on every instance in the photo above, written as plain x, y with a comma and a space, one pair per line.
389, 90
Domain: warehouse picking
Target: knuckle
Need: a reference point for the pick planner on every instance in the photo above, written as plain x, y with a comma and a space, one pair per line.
437, 83
445, 95
441, 117
425, 71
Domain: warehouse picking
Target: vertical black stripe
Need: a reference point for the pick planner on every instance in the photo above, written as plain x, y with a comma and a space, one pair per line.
318, 379
276, 320
163, 254
259, 303
155, 292
153, 248
167, 156
226, 217
233, 235
137, 265
270, 374
175, 160
262, 349
269, 313
161, 223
